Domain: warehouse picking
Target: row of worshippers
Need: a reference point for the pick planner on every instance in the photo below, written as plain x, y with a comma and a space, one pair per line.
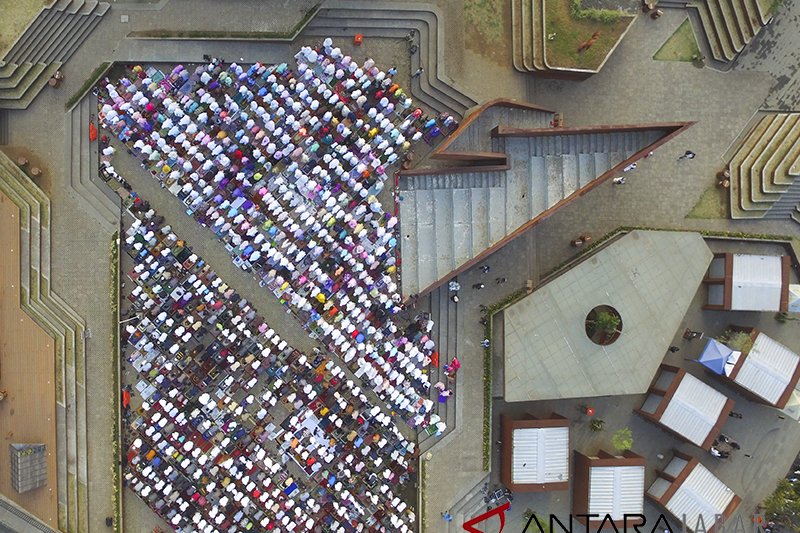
206, 454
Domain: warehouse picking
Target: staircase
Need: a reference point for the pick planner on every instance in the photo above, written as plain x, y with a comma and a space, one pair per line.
67, 328
444, 314
528, 35
473, 137
764, 168
4, 130
396, 20
468, 507
47, 43
81, 158
726, 25
450, 217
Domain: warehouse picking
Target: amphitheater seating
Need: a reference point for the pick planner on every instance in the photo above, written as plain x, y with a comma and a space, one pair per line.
46, 44
764, 168
728, 25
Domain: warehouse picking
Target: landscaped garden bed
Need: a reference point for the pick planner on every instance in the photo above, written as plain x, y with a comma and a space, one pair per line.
573, 26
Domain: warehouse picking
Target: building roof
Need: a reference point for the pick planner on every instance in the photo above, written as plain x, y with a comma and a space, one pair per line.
694, 409
616, 490
757, 283
540, 455
649, 277
768, 369
700, 494
508, 169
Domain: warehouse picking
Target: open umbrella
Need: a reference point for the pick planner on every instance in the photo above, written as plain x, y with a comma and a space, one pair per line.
714, 356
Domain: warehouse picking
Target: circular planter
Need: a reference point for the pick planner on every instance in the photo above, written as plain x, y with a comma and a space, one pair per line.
595, 334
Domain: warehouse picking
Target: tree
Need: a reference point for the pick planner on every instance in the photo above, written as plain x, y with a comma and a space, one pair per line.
622, 439
607, 322
737, 340
783, 506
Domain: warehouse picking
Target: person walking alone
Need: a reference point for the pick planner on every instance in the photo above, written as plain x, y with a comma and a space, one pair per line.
418, 73
687, 155
619, 180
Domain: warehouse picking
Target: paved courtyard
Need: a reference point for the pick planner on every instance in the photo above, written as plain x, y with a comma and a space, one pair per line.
632, 88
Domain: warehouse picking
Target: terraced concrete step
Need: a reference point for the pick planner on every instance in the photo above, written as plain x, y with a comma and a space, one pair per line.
538, 35
761, 164
732, 24
4, 131
35, 41
33, 90
16, 53
69, 45
774, 178
517, 35
756, 148
420, 91
19, 72
736, 165
527, 35
81, 160
7, 70
395, 15
18, 90
720, 25
709, 30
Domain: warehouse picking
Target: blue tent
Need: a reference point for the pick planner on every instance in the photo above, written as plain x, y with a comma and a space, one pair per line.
714, 356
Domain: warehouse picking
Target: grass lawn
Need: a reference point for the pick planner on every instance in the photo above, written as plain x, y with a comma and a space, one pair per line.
681, 46
562, 52
16, 15
712, 204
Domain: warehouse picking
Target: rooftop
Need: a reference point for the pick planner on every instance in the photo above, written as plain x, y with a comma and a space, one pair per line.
757, 283
649, 277
769, 370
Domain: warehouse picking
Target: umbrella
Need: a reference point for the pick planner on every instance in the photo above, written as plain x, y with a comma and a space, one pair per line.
714, 356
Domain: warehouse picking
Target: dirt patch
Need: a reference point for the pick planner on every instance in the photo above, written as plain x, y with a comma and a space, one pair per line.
487, 26
712, 204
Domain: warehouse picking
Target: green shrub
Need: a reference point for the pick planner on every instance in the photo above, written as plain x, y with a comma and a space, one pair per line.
737, 340
606, 16
622, 439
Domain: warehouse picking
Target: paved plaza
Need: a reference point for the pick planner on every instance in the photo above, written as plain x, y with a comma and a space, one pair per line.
631, 89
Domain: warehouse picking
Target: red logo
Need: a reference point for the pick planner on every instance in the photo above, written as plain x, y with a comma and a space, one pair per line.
487, 515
